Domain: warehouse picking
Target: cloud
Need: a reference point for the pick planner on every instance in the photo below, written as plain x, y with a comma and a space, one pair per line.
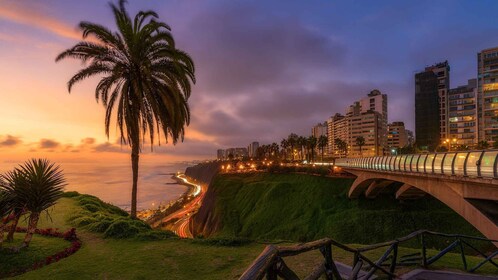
48, 144
239, 50
110, 147
10, 141
24, 14
88, 141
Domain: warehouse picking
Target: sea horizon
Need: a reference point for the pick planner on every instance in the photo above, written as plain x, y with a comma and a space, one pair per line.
111, 181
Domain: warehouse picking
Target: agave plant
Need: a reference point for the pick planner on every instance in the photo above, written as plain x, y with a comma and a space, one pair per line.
12, 207
5, 210
38, 186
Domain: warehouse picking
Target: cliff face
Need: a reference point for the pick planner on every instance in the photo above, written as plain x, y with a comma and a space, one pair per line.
203, 172
204, 221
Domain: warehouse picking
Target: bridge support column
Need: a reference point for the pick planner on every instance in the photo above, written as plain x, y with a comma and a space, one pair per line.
409, 192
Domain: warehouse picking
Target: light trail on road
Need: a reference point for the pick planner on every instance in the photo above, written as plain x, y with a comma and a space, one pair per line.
182, 226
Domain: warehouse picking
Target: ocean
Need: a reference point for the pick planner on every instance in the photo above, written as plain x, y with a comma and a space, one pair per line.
111, 181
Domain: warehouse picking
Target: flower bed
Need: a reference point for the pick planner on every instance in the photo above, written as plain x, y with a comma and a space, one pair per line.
69, 235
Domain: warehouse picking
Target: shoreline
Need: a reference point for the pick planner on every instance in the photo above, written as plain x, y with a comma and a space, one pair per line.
154, 217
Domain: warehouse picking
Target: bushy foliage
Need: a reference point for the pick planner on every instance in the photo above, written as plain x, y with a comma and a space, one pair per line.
155, 235
224, 241
100, 217
314, 170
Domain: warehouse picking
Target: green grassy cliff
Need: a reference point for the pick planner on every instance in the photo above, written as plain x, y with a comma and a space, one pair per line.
303, 207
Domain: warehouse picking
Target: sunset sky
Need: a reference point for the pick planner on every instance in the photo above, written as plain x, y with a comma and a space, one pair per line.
264, 69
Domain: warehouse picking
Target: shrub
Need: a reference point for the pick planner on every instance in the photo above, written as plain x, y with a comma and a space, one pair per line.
100, 225
224, 241
155, 235
70, 194
122, 229
84, 221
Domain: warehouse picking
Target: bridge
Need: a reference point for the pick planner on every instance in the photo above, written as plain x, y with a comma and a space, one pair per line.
466, 181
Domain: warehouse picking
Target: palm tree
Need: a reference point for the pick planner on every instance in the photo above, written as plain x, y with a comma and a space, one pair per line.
341, 145
38, 184
301, 143
5, 209
285, 145
292, 140
360, 142
482, 145
322, 143
312, 142
144, 74
13, 207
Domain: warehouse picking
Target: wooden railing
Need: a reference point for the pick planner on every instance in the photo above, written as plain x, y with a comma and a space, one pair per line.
270, 262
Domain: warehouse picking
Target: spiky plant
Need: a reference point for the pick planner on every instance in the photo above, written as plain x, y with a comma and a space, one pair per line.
5, 209
13, 205
142, 73
38, 187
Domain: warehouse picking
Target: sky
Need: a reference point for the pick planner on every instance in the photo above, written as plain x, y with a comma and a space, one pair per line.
264, 68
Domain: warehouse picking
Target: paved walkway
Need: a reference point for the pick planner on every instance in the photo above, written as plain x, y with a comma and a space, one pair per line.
422, 274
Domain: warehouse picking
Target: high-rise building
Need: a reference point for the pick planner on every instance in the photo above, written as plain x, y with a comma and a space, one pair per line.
319, 130
397, 135
220, 154
338, 128
411, 137
252, 149
370, 126
365, 118
463, 114
431, 104
487, 94
237, 153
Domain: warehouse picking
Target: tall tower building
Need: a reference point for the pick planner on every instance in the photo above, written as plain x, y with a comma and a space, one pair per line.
338, 128
319, 130
252, 149
431, 105
397, 136
463, 114
365, 118
487, 94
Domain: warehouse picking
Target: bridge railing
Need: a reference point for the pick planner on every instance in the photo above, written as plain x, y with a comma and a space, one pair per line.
482, 164
270, 262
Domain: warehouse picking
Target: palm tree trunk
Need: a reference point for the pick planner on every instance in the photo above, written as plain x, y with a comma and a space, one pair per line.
2, 230
134, 166
13, 227
33, 222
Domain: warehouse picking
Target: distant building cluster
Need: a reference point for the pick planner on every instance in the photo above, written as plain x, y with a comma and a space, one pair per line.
232, 153
465, 116
238, 153
363, 130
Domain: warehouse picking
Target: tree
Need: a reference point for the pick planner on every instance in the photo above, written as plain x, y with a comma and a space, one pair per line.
38, 184
312, 142
482, 145
322, 143
360, 142
13, 206
495, 143
143, 73
6, 206
341, 145
292, 139
285, 146
301, 143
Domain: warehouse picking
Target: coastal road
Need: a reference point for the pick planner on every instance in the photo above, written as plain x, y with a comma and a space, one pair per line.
182, 226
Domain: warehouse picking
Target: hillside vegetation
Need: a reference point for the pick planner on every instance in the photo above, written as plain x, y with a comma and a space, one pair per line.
302, 207
120, 257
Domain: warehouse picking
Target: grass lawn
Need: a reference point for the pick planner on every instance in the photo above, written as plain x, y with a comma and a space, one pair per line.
107, 258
